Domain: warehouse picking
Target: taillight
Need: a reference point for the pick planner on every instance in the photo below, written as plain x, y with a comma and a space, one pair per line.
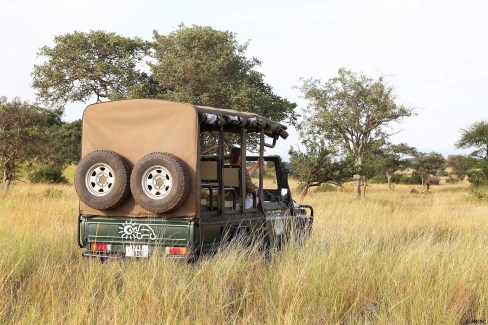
176, 251
100, 247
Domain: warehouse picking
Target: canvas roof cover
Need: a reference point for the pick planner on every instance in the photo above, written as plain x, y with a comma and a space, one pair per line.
135, 127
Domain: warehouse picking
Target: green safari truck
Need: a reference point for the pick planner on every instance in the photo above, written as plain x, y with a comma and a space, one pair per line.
155, 178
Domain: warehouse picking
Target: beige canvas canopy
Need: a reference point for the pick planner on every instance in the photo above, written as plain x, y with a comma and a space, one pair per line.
133, 128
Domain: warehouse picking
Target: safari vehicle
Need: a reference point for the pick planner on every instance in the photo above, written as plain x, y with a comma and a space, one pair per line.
145, 188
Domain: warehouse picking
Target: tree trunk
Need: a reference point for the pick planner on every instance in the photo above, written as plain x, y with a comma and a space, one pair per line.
365, 183
388, 177
304, 191
7, 177
358, 162
357, 185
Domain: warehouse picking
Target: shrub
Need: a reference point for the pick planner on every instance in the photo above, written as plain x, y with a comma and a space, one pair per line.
47, 174
479, 193
432, 180
415, 179
476, 177
451, 179
379, 179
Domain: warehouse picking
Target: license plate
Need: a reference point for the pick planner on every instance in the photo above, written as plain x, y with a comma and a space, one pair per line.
137, 250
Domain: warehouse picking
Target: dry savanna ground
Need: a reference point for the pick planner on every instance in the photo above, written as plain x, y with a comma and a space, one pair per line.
393, 258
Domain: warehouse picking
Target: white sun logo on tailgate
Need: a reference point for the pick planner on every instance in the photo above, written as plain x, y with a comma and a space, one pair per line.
131, 230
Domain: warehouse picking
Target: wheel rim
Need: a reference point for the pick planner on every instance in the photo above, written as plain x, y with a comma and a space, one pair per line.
157, 182
100, 179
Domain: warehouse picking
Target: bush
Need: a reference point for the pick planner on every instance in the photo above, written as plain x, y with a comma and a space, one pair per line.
476, 177
379, 179
415, 179
451, 179
479, 193
432, 180
47, 174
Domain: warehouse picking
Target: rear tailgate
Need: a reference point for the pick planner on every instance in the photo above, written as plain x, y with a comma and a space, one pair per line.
121, 232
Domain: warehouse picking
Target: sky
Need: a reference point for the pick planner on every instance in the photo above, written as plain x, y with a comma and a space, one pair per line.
434, 53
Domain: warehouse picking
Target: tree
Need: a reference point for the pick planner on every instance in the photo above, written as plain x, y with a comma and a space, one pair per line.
198, 65
204, 66
81, 65
459, 165
475, 136
317, 165
395, 157
21, 126
427, 164
353, 112
62, 144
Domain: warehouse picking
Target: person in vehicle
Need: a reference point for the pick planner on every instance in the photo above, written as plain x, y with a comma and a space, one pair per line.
251, 189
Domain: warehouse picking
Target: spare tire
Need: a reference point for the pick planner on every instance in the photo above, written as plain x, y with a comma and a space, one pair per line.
102, 179
160, 182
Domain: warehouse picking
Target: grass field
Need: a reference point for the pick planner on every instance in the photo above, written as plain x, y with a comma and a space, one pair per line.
392, 258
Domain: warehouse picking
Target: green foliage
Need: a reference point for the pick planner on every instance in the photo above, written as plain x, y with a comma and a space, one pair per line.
459, 165
480, 195
475, 136
204, 66
61, 145
413, 179
317, 165
381, 178
22, 127
81, 65
426, 164
452, 179
351, 111
477, 177
395, 156
378, 179
48, 174
198, 65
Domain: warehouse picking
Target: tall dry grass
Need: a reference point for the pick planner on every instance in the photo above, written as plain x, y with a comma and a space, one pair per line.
392, 258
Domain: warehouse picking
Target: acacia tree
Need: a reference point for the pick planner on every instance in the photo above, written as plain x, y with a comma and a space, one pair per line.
427, 164
353, 112
395, 157
317, 165
198, 65
204, 66
475, 136
21, 130
459, 165
82, 65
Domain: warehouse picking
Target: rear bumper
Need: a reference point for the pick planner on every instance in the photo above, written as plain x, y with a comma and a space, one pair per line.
121, 256
103, 256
